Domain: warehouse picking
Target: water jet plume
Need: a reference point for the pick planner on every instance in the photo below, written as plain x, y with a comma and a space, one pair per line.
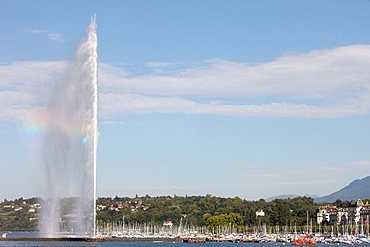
69, 146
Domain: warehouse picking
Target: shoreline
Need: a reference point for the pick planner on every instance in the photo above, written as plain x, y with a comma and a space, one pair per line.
87, 239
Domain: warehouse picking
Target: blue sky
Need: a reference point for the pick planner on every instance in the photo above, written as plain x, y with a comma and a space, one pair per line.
229, 98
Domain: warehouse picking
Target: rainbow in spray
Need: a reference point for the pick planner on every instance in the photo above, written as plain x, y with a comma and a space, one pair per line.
69, 146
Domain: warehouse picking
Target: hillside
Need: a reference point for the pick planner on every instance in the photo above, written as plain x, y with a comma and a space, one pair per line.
358, 189
23, 214
291, 196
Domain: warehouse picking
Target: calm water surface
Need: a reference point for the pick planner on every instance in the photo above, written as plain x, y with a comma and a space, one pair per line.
130, 244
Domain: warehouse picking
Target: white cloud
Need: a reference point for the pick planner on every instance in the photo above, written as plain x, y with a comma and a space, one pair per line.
139, 188
158, 64
35, 31
113, 122
317, 171
261, 175
52, 36
328, 83
359, 165
305, 182
313, 75
56, 37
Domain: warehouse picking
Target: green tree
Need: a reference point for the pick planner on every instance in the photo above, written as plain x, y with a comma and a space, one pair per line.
280, 213
232, 219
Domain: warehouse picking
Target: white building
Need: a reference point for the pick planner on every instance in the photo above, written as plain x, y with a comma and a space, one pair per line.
260, 213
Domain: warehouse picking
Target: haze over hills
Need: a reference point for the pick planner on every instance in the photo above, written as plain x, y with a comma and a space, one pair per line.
357, 189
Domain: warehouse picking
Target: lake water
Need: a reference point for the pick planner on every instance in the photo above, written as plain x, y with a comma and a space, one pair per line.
136, 244
126, 244
130, 244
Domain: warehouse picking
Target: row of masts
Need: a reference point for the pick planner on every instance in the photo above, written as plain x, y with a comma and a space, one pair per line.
132, 229
123, 227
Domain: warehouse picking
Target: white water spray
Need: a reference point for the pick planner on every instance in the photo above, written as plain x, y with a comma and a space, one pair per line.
70, 147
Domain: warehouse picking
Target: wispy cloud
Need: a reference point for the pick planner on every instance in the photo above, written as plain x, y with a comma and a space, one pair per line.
322, 171
306, 175
56, 37
261, 175
158, 64
331, 83
35, 31
52, 36
113, 122
305, 182
323, 84
314, 75
358, 165
314, 170
159, 190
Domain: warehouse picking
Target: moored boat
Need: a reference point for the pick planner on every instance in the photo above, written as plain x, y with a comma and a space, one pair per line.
194, 240
306, 240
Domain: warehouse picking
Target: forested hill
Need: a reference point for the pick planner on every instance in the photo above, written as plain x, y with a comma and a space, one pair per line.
198, 209
22, 214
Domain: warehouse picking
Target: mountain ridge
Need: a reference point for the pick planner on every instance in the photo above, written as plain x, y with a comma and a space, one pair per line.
357, 189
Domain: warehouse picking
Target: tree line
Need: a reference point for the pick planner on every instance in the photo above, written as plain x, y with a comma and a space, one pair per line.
210, 211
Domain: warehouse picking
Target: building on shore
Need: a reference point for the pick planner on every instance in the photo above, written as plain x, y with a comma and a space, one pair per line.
356, 213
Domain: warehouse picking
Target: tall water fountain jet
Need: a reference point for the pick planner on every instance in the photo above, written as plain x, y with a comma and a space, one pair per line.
69, 147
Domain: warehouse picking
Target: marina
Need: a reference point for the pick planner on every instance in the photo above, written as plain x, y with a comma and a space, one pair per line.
261, 238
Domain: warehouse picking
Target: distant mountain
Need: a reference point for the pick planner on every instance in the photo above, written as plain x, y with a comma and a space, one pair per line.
281, 197
358, 189
288, 196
